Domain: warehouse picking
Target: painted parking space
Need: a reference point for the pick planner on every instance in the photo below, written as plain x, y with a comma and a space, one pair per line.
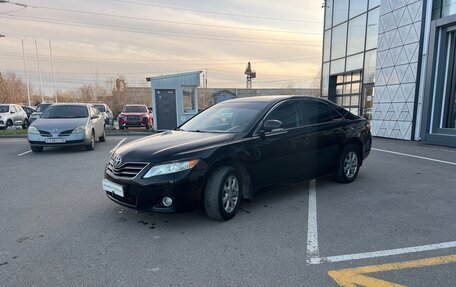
366, 275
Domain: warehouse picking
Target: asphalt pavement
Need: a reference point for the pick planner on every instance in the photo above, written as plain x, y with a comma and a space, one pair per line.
395, 223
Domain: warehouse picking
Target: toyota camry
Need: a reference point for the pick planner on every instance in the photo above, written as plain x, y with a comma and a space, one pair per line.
234, 149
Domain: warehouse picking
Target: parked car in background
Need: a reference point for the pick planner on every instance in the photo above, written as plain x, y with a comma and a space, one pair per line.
12, 115
29, 110
67, 124
39, 110
135, 116
234, 149
106, 112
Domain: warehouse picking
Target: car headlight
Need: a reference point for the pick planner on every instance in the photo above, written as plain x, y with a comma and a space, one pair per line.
33, 131
79, 130
170, 168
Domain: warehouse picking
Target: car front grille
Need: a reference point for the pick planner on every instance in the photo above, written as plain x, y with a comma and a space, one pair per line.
133, 119
45, 133
65, 133
128, 170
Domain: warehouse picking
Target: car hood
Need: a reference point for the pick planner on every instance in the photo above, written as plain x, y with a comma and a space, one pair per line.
168, 145
56, 126
133, 114
4, 114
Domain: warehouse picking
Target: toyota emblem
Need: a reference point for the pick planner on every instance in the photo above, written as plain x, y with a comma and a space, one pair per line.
117, 160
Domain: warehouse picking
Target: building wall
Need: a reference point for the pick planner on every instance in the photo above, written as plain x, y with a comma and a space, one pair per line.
397, 68
207, 96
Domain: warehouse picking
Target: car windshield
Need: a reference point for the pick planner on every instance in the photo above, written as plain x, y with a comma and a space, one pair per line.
135, 109
65, 112
224, 118
4, 109
101, 108
42, 107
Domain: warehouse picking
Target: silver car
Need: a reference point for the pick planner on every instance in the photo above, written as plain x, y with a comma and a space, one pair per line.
67, 124
12, 115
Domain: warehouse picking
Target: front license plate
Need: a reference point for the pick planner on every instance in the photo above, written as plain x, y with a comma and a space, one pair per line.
113, 188
55, 140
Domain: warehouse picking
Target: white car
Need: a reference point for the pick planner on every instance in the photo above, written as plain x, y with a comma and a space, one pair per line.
12, 115
106, 112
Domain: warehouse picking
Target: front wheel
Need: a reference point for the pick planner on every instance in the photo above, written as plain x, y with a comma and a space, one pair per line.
222, 194
25, 124
349, 163
103, 136
91, 145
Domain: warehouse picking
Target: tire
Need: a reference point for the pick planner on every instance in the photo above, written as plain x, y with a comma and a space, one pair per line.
224, 184
25, 124
9, 123
121, 128
37, 148
103, 137
349, 164
91, 145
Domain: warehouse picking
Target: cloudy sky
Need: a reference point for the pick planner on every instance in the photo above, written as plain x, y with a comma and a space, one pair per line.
96, 40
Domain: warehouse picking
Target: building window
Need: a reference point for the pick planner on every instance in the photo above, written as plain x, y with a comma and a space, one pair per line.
356, 35
189, 93
357, 7
340, 12
339, 38
372, 29
328, 13
348, 91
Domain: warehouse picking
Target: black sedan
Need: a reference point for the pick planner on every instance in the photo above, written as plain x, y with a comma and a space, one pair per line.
234, 149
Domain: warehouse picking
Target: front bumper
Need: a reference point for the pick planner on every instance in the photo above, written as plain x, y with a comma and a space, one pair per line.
70, 140
185, 189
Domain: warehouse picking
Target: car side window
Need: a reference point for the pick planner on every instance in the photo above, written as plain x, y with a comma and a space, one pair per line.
13, 109
287, 113
317, 112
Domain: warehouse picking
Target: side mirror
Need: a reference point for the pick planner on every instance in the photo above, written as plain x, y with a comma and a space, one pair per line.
12, 112
271, 125
94, 117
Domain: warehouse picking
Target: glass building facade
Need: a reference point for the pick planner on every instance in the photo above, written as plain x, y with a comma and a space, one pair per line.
349, 53
394, 63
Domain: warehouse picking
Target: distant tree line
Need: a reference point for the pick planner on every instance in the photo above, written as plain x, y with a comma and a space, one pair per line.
113, 92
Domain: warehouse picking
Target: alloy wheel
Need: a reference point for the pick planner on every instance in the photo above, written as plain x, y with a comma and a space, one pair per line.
350, 164
230, 196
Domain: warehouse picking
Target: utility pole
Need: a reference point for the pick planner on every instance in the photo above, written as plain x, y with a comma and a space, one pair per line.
26, 76
205, 81
39, 72
250, 75
53, 74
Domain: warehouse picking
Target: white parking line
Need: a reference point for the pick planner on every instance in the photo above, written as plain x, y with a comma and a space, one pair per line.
118, 145
21, 154
313, 254
390, 252
414, 156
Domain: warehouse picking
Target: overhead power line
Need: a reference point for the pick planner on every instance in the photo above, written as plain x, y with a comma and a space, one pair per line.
217, 13
212, 26
147, 32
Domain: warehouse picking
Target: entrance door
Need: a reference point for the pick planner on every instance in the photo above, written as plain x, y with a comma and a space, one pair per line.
165, 104
368, 97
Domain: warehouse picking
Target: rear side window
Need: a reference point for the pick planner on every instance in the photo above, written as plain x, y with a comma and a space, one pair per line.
287, 113
317, 112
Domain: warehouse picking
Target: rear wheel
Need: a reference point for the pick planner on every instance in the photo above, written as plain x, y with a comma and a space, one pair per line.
222, 194
349, 163
103, 136
37, 148
25, 124
91, 145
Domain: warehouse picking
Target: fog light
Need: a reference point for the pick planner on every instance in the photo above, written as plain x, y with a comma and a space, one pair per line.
167, 201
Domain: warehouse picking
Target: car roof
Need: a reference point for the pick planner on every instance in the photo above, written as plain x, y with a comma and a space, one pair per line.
72, 104
269, 99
